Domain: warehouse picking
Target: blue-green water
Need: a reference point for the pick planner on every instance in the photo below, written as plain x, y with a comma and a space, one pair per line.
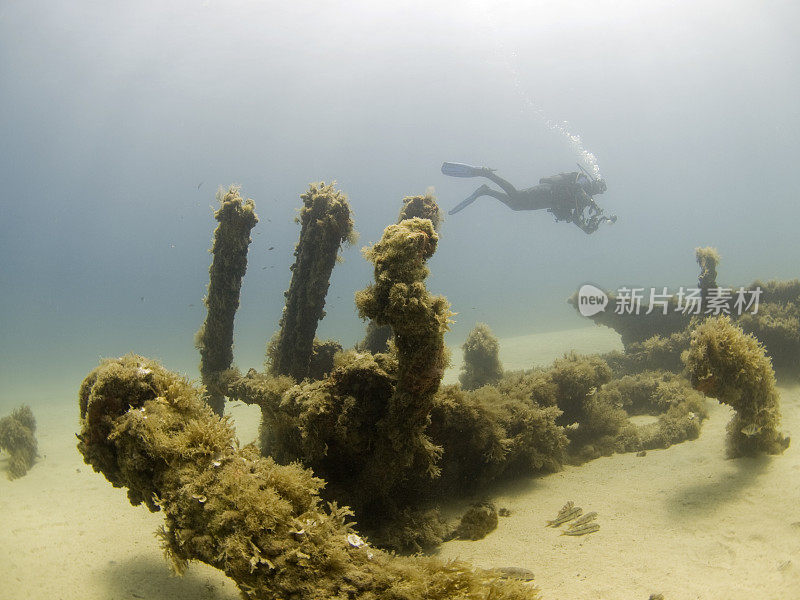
113, 115
118, 122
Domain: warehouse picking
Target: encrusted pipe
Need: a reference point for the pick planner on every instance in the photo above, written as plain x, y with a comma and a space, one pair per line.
148, 430
727, 364
325, 225
419, 320
215, 338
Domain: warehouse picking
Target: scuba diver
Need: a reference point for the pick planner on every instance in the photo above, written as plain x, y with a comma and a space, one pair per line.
567, 196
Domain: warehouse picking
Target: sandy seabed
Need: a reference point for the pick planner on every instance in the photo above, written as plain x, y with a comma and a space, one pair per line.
684, 522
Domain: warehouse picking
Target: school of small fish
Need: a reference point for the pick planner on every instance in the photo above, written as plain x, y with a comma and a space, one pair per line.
581, 525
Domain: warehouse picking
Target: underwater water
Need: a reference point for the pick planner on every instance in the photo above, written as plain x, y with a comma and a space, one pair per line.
119, 123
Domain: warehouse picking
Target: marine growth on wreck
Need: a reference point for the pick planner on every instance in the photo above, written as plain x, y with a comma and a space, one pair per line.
18, 439
148, 430
369, 438
732, 366
236, 218
655, 339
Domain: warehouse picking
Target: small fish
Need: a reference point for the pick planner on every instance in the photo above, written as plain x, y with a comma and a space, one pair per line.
199, 184
582, 530
751, 430
588, 517
515, 573
270, 248
566, 508
568, 516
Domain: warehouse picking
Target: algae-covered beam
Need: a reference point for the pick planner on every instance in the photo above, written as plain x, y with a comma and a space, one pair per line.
419, 320
727, 364
707, 259
377, 337
148, 430
423, 207
325, 225
215, 339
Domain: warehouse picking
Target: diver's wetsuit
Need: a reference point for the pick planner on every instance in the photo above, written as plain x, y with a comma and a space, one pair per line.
567, 196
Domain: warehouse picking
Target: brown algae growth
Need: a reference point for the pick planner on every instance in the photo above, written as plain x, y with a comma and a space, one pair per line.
263, 524
325, 224
17, 437
236, 218
727, 364
481, 358
375, 423
656, 340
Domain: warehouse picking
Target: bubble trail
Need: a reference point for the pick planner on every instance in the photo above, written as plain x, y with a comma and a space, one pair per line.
587, 158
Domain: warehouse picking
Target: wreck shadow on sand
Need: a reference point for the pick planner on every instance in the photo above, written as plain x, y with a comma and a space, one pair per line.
720, 488
146, 577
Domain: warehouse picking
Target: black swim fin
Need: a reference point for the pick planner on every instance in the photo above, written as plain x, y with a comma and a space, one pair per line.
462, 170
462, 205
465, 203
